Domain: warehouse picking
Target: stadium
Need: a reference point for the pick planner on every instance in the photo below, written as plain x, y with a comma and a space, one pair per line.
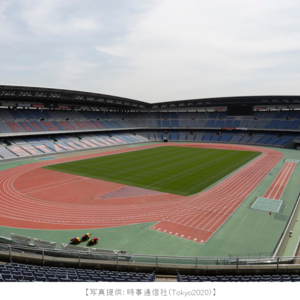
200, 187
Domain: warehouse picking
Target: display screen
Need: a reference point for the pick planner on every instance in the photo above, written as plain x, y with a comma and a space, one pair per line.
245, 110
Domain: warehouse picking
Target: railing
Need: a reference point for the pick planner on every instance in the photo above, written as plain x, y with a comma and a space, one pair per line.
42, 255
279, 249
251, 255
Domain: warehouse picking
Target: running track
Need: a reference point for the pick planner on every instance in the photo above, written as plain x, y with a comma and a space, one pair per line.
195, 218
278, 185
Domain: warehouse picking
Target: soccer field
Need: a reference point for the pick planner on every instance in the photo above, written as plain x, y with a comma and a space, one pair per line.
170, 169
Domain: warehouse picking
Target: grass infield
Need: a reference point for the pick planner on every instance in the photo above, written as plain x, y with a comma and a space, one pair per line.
170, 169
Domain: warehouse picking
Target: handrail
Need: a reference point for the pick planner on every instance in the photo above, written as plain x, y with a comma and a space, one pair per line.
146, 259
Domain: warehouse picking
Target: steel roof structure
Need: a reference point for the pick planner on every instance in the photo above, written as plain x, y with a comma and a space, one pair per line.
9, 93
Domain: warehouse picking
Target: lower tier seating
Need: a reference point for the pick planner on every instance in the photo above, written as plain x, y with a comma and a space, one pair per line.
16, 272
239, 278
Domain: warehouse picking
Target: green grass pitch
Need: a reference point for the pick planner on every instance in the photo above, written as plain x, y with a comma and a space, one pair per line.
170, 169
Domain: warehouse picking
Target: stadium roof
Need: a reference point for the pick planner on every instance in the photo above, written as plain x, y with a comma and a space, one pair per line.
9, 93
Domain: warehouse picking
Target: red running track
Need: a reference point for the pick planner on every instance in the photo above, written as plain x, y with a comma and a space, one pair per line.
278, 185
195, 218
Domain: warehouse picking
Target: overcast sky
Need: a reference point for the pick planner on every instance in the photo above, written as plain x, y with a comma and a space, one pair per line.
153, 50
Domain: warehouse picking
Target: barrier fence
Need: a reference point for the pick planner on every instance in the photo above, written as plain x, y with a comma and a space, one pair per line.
49, 255
280, 247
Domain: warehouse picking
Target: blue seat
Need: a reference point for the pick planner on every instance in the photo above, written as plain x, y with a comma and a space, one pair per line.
10, 280
16, 272
108, 279
6, 272
125, 277
245, 279
189, 277
123, 273
41, 278
28, 277
234, 279
71, 269
253, 279
224, 279
285, 278
15, 264
6, 276
65, 280
53, 279
62, 269
84, 277
77, 280
139, 279
96, 278
52, 270
275, 279
17, 277
98, 272
265, 279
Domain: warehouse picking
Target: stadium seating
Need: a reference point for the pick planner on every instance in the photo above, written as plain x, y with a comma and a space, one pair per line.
238, 278
35, 127
252, 138
31, 273
37, 145
22, 120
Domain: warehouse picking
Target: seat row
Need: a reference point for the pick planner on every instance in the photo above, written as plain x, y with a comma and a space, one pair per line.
239, 278
30, 273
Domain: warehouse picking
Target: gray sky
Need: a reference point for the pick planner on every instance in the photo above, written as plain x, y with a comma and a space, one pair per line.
153, 50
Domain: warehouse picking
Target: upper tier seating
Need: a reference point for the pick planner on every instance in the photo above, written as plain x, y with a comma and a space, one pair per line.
32, 120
